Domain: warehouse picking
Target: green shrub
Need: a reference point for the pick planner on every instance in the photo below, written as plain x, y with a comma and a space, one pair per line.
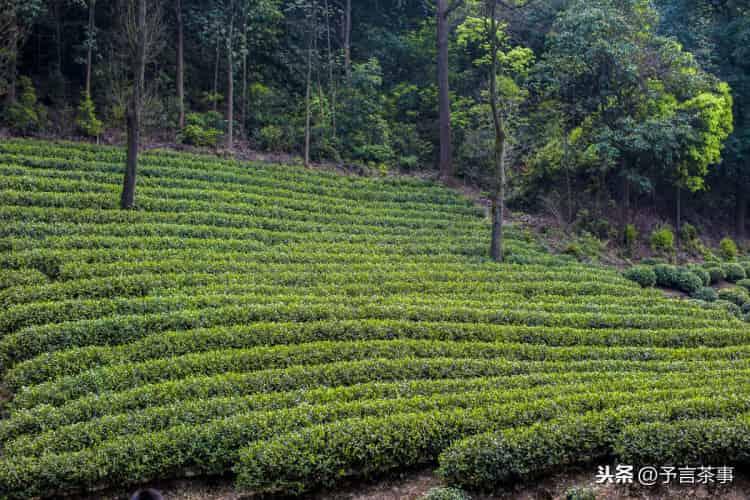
687, 281
738, 296
706, 294
630, 237
304, 326
643, 275
728, 249
694, 441
677, 278
273, 138
662, 241
23, 277
734, 272
316, 456
202, 129
86, 120
730, 307
744, 284
374, 153
446, 494
117, 378
487, 461
717, 274
25, 115
702, 273
577, 493
688, 233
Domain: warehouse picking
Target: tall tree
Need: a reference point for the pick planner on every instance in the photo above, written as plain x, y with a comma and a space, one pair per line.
642, 112
180, 77
17, 17
347, 29
718, 33
308, 106
143, 31
137, 33
230, 74
90, 43
506, 67
444, 99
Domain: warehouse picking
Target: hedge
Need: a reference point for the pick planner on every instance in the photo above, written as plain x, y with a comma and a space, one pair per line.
304, 326
322, 455
177, 343
330, 375
696, 442
80, 435
496, 459
213, 448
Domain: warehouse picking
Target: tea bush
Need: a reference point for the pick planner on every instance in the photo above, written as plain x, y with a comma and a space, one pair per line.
296, 327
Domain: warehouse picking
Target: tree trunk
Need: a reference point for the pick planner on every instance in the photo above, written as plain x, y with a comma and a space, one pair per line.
308, 109
444, 103
741, 213
90, 45
230, 92
331, 80
180, 77
127, 200
348, 39
498, 202
243, 118
12, 59
678, 216
216, 77
230, 99
58, 34
498, 198
568, 181
625, 200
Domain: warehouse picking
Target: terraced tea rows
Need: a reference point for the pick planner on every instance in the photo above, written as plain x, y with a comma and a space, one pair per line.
296, 327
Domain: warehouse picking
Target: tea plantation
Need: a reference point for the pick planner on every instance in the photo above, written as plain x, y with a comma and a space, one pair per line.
293, 328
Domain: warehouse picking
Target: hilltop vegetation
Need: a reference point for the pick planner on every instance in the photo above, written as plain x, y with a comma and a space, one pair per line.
298, 327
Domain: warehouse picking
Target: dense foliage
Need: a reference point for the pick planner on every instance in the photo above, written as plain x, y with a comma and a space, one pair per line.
638, 102
298, 327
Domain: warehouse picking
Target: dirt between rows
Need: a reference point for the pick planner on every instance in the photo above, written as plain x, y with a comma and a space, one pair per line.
414, 484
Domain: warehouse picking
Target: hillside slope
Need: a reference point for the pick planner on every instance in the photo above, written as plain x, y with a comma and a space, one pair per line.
298, 327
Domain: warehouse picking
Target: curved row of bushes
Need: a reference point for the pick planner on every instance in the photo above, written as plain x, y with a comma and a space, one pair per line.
298, 327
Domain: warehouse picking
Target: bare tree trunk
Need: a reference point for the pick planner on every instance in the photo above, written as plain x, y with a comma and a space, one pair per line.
12, 58
331, 81
625, 200
243, 118
446, 154
230, 83
498, 198
127, 200
568, 181
216, 76
180, 79
58, 34
308, 109
741, 212
230, 99
498, 202
348, 39
90, 45
678, 216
